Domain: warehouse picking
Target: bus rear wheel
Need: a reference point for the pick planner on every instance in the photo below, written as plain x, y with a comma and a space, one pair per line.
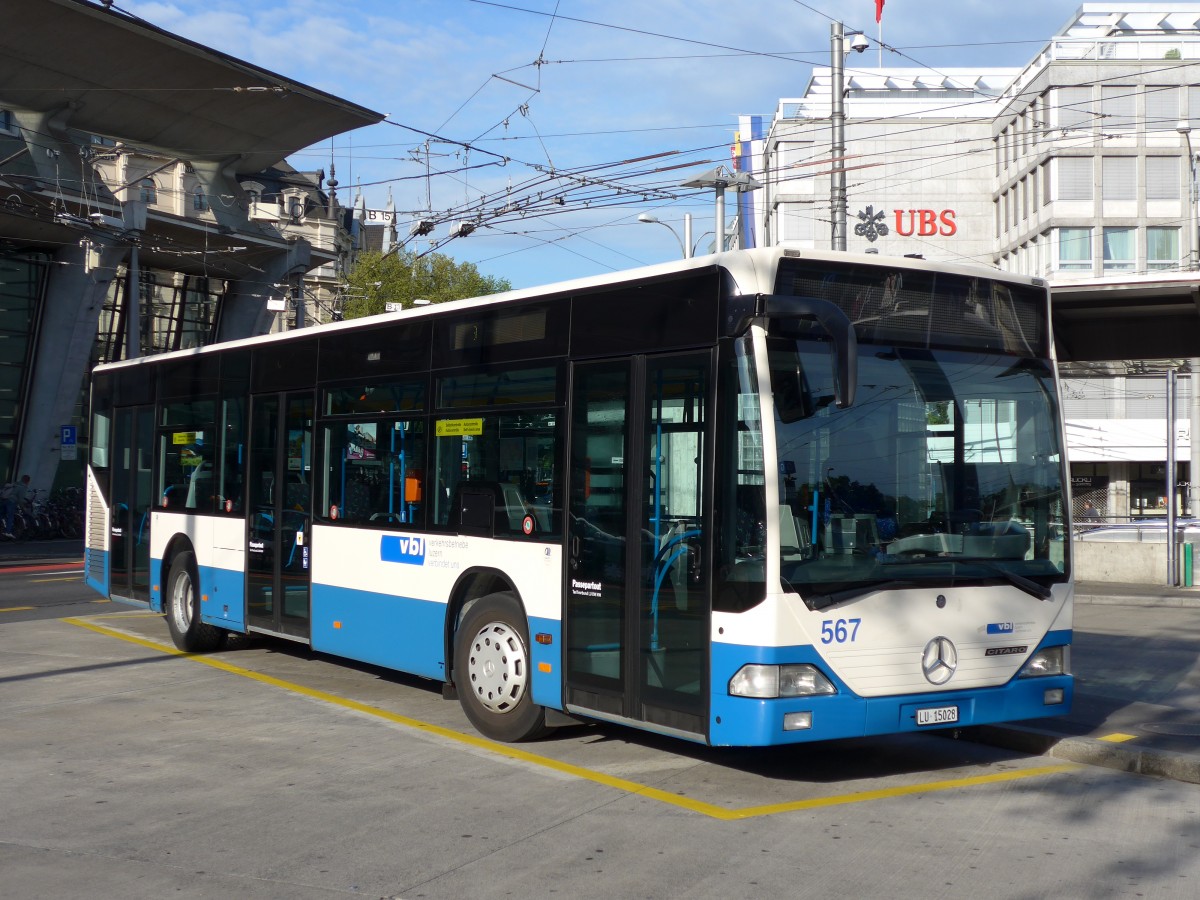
492, 671
183, 609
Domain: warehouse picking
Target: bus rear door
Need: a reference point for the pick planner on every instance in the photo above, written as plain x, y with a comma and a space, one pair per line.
132, 486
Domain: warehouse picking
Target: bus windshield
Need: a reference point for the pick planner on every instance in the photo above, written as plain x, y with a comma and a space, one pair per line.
946, 470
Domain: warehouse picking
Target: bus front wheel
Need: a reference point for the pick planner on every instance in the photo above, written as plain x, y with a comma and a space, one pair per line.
183, 609
492, 670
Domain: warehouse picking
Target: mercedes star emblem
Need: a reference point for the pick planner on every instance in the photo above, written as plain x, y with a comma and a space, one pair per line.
939, 660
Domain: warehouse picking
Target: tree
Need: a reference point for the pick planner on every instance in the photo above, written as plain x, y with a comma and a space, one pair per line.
401, 277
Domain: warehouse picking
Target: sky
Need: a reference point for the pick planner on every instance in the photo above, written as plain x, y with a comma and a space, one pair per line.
553, 124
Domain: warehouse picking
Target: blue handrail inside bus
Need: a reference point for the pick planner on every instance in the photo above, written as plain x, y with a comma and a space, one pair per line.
662, 568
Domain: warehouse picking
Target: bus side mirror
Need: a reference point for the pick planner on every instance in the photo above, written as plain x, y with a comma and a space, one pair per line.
834, 323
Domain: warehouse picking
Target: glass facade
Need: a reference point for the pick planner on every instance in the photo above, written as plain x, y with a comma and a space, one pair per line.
22, 280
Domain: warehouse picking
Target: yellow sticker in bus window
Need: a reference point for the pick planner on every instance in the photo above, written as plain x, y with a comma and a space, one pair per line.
183, 437
455, 427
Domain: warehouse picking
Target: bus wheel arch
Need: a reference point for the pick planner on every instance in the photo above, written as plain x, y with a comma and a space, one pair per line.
181, 603
493, 667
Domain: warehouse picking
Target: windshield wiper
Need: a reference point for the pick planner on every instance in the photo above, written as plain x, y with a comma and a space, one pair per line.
1028, 585
817, 602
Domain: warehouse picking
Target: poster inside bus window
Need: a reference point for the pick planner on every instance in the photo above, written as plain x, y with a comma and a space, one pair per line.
360, 441
295, 449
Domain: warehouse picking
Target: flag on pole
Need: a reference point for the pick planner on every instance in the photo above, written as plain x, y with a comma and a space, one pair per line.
878, 11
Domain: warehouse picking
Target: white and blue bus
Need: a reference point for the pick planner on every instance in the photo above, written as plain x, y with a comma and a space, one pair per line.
756, 498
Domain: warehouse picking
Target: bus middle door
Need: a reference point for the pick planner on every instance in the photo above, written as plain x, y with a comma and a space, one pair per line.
279, 514
637, 601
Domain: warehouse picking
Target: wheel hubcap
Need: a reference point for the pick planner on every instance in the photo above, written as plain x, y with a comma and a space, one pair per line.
497, 667
181, 602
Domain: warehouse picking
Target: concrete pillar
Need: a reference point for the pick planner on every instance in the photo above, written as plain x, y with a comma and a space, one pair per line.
244, 310
70, 316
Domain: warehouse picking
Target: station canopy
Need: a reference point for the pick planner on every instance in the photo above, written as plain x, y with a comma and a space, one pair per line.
117, 76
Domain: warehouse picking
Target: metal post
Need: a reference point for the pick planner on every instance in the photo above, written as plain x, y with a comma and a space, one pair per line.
1172, 564
1194, 436
133, 307
687, 235
837, 190
720, 226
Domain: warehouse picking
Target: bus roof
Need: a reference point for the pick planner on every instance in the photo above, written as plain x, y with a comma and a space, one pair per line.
743, 266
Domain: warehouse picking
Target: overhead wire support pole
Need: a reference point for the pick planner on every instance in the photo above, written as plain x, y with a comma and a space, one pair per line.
837, 189
1172, 537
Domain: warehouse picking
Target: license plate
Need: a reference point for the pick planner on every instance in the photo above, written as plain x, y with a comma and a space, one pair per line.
937, 715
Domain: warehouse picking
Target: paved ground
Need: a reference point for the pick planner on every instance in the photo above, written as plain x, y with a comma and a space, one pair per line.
1136, 657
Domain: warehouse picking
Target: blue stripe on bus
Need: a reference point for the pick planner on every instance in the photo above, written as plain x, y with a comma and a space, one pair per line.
382, 629
100, 586
223, 597
406, 634
742, 721
545, 662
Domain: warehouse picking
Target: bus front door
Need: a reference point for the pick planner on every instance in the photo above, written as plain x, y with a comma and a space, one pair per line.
279, 514
637, 598
132, 485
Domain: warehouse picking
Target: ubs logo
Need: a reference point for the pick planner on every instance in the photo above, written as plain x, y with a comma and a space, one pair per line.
925, 222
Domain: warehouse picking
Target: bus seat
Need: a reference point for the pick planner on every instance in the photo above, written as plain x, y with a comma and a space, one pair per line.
794, 539
487, 508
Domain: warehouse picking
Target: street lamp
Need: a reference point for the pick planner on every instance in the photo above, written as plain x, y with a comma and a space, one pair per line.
719, 179
685, 242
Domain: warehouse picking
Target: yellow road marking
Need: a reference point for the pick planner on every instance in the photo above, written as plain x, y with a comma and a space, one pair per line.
44, 580
631, 787
16, 608
1118, 737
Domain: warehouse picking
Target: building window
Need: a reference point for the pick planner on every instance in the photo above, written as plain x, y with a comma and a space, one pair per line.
199, 201
149, 190
1120, 249
1162, 248
1162, 178
1162, 108
1117, 109
1073, 108
1119, 178
1074, 177
1075, 249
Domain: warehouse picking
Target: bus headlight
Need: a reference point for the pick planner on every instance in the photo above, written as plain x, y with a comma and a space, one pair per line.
1048, 661
766, 682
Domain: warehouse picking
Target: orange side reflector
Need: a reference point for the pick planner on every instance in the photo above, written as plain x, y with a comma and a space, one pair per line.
545, 667
337, 624
544, 638
204, 598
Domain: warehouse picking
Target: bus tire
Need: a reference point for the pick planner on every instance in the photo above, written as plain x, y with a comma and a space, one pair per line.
183, 608
492, 671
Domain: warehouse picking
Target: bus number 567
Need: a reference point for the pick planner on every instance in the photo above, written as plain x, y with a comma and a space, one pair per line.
839, 631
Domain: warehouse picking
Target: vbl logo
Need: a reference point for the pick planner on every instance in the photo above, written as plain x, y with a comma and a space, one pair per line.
925, 222
410, 550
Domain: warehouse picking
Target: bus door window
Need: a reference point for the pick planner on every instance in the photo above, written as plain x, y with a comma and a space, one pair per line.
675, 607
230, 456
741, 506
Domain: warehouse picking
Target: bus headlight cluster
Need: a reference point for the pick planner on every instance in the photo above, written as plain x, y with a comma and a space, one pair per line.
1048, 661
766, 682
